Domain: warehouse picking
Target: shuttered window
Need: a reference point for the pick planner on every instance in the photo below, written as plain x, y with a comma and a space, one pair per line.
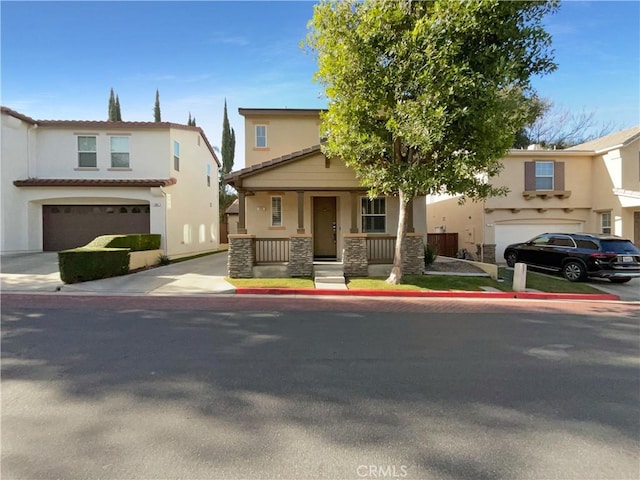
544, 175
276, 211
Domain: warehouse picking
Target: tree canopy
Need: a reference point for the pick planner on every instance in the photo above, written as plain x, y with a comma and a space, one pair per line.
426, 96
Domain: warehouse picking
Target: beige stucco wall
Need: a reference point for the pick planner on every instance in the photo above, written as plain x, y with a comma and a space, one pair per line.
17, 157
192, 213
446, 215
309, 172
285, 134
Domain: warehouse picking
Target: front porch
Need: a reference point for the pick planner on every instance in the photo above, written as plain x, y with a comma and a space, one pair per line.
250, 256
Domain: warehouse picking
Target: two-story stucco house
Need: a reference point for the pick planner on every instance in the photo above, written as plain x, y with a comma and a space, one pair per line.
66, 182
593, 187
296, 205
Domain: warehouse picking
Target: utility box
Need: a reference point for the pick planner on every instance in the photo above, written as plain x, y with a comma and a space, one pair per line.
519, 277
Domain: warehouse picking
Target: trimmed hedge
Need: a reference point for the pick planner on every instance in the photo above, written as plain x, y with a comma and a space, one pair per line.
84, 264
136, 242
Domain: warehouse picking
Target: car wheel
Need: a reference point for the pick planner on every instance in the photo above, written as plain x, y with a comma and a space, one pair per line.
574, 271
512, 259
619, 280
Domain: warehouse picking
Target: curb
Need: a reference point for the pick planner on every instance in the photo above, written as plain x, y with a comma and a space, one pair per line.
428, 294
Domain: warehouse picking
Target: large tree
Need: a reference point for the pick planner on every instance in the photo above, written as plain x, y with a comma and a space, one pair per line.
427, 96
156, 108
559, 127
117, 112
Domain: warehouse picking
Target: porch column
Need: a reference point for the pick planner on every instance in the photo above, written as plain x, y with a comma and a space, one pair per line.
410, 227
354, 212
242, 227
300, 212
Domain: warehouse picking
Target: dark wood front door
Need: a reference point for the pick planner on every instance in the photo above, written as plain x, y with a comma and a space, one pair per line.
324, 227
636, 228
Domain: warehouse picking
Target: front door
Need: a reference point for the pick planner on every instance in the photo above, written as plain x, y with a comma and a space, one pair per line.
636, 228
324, 227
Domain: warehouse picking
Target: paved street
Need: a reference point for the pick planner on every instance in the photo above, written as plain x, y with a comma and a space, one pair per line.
235, 387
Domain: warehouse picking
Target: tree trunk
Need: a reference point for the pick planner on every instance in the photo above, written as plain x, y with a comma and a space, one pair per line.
401, 245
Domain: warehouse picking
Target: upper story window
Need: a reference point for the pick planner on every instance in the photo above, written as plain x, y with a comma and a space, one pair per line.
208, 174
276, 211
261, 136
87, 154
176, 156
374, 215
119, 152
605, 222
544, 175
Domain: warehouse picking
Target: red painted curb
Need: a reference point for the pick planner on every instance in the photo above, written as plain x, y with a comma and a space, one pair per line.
426, 294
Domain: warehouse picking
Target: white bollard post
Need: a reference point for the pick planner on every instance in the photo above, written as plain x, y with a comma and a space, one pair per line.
520, 277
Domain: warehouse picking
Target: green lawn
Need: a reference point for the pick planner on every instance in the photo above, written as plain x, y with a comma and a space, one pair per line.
537, 281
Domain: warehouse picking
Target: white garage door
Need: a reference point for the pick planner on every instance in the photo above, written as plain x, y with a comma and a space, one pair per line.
516, 233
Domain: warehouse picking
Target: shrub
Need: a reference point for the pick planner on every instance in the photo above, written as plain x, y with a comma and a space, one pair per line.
84, 264
164, 259
136, 242
429, 255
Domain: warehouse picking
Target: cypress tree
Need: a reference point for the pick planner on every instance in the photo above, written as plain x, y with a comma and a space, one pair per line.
228, 143
112, 107
189, 121
156, 109
118, 114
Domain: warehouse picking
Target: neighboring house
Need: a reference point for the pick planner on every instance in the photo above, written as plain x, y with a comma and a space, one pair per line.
66, 182
593, 187
295, 205
231, 214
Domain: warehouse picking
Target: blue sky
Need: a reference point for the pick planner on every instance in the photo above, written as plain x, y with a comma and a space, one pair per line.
59, 60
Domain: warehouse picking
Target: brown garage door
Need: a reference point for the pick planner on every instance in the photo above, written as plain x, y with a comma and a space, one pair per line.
70, 226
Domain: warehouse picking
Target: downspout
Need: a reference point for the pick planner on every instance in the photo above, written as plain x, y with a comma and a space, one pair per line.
166, 236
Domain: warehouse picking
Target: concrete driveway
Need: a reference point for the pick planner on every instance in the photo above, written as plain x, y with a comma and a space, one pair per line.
38, 272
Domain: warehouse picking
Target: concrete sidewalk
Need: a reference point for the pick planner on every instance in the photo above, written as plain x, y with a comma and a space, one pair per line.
39, 273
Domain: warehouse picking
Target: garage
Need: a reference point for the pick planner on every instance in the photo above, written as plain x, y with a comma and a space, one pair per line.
517, 233
70, 226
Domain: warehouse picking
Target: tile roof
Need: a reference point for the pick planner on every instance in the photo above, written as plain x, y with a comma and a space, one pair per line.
230, 177
610, 141
20, 116
94, 182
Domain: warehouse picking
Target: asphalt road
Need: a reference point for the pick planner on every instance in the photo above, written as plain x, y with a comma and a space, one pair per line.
244, 388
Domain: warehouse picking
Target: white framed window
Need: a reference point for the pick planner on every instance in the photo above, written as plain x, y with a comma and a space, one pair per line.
374, 215
208, 174
261, 136
119, 152
605, 222
87, 153
544, 175
276, 211
176, 156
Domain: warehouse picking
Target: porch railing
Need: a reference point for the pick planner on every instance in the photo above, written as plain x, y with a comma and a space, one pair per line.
271, 250
380, 249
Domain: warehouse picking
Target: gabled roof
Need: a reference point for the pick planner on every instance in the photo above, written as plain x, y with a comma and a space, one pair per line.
234, 208
94, 182
17, 115
261, 167
112, 126
611, 141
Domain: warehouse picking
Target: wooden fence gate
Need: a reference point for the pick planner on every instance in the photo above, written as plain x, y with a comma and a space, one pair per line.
445, 244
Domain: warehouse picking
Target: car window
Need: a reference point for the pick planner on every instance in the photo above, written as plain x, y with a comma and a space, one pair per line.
541, 240
586, 244
619, 246
559, 241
